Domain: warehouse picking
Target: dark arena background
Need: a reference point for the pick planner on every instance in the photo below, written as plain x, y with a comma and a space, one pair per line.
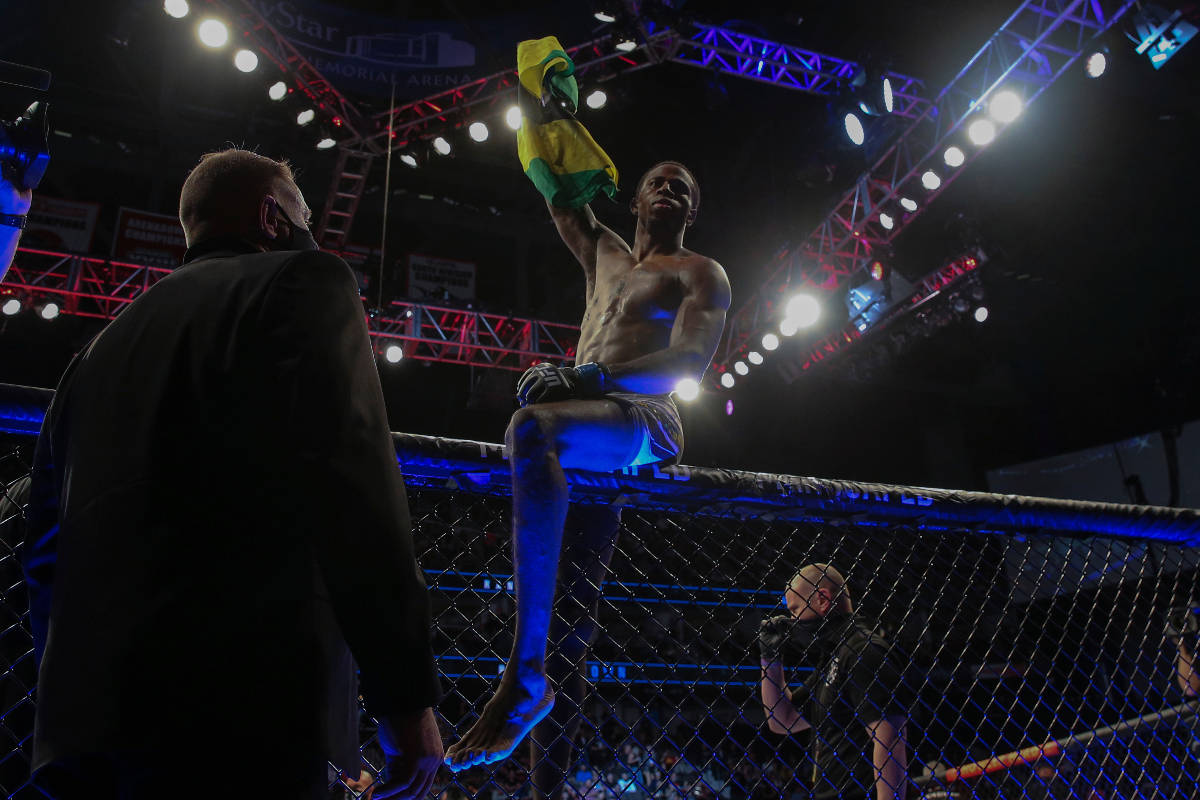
989, 287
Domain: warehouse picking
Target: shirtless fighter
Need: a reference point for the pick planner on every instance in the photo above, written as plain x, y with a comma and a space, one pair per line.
654, 316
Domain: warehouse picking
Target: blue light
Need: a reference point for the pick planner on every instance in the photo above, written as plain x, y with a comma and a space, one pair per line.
866, 304
1161, 36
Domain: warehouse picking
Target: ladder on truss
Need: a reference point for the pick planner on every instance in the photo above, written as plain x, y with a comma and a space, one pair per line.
345, 190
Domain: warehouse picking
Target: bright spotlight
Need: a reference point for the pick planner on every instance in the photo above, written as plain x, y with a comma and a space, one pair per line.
478, 131
306, 116
176, 8
213, 33
981, 132
512, 117
1095, 65
597, 99
1005, 106
409, 159
605, 17
981, 314
886, 221
12, 305
246, 60
888, 100
770, 341
49, 310
687, 390
277, 91
789, 327
930, 180
754, 357
740, 368
441, 146
954, 157
626, 44
854, 129
908, 205
325, 143
727, 380
804, 309
393, 353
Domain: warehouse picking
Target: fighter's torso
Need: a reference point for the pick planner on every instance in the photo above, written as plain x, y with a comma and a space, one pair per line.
631, 305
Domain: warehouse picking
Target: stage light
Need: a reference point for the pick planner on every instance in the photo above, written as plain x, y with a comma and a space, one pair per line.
804, 309
728, 380
930, 180
981, 132
729, 408
441, 146
854, 129
889, 100
770, 341
1095, 65
306, 116
954, 157
597, 99
626, 43
393, 353
246, 60
213, 33
687, 390
908, 205
12, 305
981, 314
277, 90
878, 270
176, 8
326, 143
48, 309
512, 117
740, 368
409, 159
478, 131
605, 16
886, 221
789, 327
754, 357
1005, 106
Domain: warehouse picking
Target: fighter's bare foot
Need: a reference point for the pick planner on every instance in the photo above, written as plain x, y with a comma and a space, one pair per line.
506, 720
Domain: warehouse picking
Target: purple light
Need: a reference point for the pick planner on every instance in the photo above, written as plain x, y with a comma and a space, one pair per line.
729, 408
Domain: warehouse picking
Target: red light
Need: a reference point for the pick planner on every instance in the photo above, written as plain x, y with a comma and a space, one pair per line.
970, 262
337, 121
878, 270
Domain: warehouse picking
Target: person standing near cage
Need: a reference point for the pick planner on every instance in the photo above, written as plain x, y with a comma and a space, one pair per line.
853, 698
218, 522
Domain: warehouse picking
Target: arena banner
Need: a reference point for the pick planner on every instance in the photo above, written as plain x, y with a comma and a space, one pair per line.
143, 237
57, 224
364, 53
432, 279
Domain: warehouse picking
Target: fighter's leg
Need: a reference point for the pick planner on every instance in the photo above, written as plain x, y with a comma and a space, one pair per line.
591, 536
542, 440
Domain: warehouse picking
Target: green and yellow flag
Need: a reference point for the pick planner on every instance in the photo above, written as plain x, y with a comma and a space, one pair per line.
556, 151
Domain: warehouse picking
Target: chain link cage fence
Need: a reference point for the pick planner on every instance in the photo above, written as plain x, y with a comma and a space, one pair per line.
998, 647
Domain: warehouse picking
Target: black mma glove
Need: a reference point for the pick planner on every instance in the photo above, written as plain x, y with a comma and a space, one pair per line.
546, 383
773, 634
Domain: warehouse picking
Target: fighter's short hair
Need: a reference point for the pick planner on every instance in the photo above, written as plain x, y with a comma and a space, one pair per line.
827, 577
216, 191
684, 167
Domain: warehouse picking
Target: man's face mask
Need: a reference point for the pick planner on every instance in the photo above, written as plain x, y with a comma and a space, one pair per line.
299, 238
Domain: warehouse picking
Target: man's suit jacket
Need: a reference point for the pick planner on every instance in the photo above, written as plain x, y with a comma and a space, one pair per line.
217, 511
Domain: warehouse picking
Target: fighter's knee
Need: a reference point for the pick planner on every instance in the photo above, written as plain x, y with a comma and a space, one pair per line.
529, 432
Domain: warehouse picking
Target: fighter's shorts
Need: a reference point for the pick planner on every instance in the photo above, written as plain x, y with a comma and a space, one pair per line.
659, 430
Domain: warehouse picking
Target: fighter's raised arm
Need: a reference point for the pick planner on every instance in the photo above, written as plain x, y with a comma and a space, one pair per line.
584, 236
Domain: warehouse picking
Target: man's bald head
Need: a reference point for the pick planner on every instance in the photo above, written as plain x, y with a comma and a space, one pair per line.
224, 195
816, 590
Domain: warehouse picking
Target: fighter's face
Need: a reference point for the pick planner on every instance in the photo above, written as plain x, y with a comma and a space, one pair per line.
805, 601
667, 192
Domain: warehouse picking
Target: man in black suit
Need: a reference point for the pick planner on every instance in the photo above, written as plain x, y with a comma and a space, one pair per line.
217, 513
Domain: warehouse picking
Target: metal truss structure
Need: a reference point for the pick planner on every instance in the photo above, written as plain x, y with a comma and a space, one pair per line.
835, 344
1029, 52
86, 286
708, 47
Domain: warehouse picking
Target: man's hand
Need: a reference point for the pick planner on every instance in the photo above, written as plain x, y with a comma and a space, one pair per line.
412, 746
773, 633
12, 199
546, 383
